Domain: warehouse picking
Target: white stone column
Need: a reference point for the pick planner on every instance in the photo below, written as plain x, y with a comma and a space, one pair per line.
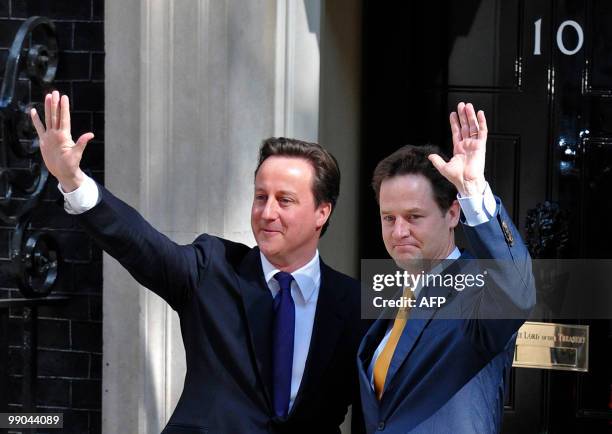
298, 29
192, 87
189, 96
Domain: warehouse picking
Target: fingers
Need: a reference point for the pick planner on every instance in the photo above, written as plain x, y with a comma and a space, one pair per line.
455, 129
40, 128
465, 128
82, 141
437, 161
482, 125
51, 110
48, 123
55, 109
64, 113
470, 115
466, 123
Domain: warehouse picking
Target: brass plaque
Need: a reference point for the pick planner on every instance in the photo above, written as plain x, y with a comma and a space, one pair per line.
552, 346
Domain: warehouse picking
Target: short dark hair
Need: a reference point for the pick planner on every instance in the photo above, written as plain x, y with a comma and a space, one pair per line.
326, 182
413, 160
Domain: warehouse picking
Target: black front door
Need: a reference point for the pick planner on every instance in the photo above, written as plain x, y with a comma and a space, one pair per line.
542, 72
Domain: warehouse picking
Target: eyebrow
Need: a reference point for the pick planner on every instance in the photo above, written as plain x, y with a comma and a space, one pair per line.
287, 192
404, 211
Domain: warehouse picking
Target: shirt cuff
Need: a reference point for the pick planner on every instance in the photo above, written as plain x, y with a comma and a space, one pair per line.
82, 199
478, 209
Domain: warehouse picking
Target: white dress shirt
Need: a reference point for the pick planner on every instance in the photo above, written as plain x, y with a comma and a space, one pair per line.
477, 210
305, 292
304, 287
83, 198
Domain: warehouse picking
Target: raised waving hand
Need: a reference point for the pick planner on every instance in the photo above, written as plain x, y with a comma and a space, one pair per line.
61, 154
466, 168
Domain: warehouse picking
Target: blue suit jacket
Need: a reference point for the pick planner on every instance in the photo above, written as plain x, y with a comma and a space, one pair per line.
450, 367
226, 311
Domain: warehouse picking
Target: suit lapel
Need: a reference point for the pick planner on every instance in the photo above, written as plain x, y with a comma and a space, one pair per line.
327, 327
366, 350
418, 320
370, 343
259, 310
371, 340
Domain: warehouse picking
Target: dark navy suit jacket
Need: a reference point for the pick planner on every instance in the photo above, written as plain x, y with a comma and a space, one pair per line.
450, 367
226, 310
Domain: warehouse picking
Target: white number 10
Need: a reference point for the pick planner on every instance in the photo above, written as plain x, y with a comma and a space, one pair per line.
538, 37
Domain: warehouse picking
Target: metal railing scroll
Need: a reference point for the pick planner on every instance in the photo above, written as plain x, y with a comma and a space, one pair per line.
32, 58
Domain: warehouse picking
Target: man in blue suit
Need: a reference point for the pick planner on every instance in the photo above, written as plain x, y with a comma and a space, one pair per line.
271, 332
444, 370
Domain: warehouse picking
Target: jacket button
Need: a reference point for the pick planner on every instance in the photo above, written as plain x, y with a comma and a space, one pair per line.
381, 426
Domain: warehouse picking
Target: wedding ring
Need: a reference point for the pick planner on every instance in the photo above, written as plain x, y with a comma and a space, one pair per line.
475, 133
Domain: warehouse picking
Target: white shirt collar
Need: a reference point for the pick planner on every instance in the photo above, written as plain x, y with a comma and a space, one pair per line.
455, 254
306, 279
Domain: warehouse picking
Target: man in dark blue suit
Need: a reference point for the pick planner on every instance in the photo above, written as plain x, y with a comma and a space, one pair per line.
444, 370
270, 332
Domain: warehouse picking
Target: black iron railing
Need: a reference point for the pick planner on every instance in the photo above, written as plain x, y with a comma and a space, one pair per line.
29, 308
23, 175
33, 255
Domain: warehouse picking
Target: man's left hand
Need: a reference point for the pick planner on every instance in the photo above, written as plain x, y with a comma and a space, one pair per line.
466, 169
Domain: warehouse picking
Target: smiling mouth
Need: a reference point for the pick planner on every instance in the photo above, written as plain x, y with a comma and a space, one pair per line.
270, 231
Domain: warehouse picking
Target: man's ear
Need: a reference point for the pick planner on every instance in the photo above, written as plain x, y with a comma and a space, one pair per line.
323, 212
453, 213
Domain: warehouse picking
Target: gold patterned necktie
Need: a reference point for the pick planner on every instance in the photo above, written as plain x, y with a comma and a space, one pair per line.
381, 367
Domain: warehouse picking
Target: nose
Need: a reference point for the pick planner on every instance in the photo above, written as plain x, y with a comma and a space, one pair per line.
270, 210
401, 229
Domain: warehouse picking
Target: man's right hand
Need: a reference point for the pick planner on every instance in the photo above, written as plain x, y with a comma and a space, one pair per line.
61, 155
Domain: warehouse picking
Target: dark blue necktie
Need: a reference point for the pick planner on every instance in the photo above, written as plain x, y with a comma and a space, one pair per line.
282, 344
